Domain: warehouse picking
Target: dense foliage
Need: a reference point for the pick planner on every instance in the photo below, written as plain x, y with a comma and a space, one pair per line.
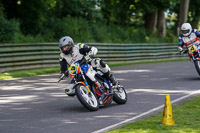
114, 21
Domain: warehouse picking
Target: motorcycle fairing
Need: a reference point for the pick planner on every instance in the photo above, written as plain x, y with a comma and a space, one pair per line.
194, 52
74, 69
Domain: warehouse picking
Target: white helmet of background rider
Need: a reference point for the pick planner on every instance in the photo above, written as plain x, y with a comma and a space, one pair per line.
66, 41
186, 29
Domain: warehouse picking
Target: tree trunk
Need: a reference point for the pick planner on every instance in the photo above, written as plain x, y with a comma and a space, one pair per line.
161, 26
150, 22
183, 13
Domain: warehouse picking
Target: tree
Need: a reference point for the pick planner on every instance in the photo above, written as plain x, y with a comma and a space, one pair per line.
183, 14
1, 10
150, 19
161, 25
149, 11
194, 14
77, 8
154, 15
30, 13
118, 11
161, 21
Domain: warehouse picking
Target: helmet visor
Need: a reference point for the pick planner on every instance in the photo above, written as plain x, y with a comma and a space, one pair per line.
185, 31
65, 48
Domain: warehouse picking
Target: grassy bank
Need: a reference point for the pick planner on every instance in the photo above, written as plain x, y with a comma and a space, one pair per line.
28, 73
186, 116
34, 72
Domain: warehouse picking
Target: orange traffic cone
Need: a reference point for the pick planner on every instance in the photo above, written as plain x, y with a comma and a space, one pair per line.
167, 114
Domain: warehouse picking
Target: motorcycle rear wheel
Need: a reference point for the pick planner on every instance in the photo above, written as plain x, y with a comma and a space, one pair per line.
88, 100
120, 96
197, 66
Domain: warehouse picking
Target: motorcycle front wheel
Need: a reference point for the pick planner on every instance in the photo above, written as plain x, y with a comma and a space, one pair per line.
120, 96
197, 66
88, 100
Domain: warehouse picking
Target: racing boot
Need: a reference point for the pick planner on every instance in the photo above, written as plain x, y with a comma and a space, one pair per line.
111, 78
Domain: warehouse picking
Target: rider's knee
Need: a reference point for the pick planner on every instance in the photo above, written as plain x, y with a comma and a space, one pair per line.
104, 67
100, 64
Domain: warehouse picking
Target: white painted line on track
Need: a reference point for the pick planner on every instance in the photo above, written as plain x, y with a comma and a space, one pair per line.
143, 114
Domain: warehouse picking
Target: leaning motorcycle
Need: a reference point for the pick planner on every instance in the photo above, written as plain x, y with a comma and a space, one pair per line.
193, 51
93, 94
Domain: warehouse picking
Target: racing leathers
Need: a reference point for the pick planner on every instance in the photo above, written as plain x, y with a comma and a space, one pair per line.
188, 40
82, 52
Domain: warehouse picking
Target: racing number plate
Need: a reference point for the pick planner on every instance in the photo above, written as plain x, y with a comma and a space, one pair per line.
72, 69
192, 48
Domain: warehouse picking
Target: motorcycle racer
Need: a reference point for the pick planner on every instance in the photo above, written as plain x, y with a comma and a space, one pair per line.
71, 53
188, 36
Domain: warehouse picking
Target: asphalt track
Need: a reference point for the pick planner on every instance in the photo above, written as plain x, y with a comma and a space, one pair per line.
39, 105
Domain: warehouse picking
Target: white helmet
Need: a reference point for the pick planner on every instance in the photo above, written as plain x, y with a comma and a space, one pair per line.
186, 29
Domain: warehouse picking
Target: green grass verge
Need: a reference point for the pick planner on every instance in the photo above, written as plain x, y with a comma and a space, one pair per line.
186, 116
147, 62
34, 72
28, 73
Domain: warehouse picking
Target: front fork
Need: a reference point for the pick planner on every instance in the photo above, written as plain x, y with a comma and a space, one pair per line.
85, 82
192, 58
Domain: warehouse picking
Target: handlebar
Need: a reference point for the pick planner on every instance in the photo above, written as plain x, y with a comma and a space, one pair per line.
61, 78
184, 51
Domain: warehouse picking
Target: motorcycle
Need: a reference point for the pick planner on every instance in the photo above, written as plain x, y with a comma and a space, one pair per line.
193, 51
93, 94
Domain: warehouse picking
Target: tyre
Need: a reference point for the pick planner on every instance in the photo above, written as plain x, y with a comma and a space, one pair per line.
120, 96
197, 66
88, 100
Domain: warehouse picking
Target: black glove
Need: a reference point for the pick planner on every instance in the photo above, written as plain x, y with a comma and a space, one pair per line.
181, 52
64, 75
184, 51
